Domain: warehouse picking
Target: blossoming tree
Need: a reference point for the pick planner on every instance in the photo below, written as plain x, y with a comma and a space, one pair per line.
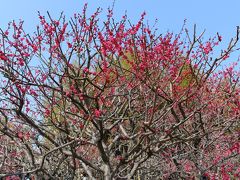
115, 100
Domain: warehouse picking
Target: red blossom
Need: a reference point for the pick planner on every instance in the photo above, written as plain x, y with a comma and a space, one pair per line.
97, 113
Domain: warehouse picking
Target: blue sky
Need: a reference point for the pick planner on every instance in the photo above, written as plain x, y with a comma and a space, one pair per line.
213, 15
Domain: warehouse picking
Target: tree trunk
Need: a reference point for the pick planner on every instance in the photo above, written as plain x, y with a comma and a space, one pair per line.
107, 172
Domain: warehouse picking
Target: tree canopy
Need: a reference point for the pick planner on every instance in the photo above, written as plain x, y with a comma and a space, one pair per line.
116, 100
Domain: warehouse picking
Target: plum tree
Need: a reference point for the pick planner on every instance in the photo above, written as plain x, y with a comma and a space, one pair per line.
113, 100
